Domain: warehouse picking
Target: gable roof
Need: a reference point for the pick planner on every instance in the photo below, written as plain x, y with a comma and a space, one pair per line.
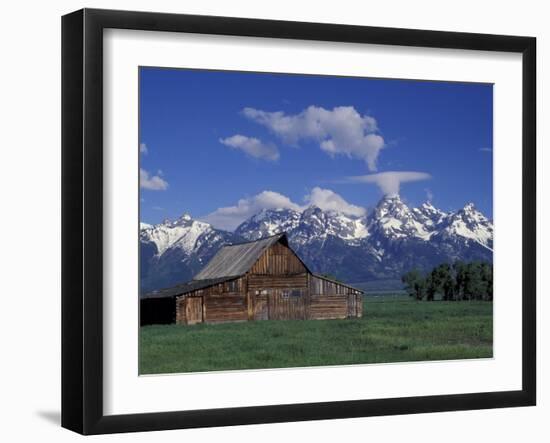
236, 260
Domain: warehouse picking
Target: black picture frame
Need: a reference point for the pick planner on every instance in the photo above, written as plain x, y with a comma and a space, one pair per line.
82, 216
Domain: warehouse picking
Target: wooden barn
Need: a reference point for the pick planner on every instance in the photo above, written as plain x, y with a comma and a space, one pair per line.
257, 280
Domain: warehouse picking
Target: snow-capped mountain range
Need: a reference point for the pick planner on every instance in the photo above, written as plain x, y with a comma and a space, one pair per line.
390, 240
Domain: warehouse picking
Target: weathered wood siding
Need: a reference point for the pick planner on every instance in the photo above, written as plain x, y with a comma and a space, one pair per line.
330, 299
260, 305
277, 285
193, 310
212, 308
225, 308
259, 282
328, 306
286, 304
181, 318
278, 260
219, 303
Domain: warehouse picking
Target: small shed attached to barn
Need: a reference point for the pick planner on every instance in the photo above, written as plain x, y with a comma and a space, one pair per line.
257, 280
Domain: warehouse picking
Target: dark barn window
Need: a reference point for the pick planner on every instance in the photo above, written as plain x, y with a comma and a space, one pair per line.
232, 286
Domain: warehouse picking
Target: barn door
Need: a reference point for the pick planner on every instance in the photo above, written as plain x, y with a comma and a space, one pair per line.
193, 310
260, 305
296, 304
275, 310
287, 304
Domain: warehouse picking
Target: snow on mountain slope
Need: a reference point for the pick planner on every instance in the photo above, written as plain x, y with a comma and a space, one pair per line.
173, 252
470, 224
268, 222
393, 219
318, 224
311, 224
182, 233
428, 215
391, 239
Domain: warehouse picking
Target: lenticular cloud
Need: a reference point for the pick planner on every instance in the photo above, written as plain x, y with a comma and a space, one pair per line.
389, 182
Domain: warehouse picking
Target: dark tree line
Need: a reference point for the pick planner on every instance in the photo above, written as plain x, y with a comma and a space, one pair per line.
457, 281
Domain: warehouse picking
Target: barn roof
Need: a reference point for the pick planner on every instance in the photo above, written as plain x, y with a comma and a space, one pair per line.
230, 262
236, 260
184, 288
338, 282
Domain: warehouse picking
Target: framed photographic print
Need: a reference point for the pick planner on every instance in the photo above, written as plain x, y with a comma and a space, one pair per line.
269, 221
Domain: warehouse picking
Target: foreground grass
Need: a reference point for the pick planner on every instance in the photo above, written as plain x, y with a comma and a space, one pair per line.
393, 329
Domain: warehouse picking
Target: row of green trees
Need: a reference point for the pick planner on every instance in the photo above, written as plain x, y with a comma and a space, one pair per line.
456, 281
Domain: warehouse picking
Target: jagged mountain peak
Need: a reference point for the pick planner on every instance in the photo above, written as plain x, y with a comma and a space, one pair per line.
314, 215
183, 220
391, 197
390, 200
390, 239
318, 224
268, 222
428, 206
470, 214
312, 210
468, 225
393, 219
174, 251
429, 215
270, 211
310, 225
182, 232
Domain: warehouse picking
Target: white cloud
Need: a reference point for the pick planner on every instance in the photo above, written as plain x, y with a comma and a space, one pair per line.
143, 148
151, 182
341, 130
230, 217
329, 200
485, 149
389, 182
252, 146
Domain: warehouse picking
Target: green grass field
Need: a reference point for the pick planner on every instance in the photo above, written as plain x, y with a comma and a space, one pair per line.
393, 329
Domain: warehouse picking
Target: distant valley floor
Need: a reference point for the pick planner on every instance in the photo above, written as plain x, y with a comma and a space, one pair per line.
394, 328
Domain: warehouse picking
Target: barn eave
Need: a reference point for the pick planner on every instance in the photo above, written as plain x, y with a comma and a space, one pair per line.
185, 288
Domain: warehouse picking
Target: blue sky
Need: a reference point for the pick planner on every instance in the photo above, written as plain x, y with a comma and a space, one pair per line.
221, 145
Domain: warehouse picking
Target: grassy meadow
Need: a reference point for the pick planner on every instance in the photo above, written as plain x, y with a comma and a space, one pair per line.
394, 328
